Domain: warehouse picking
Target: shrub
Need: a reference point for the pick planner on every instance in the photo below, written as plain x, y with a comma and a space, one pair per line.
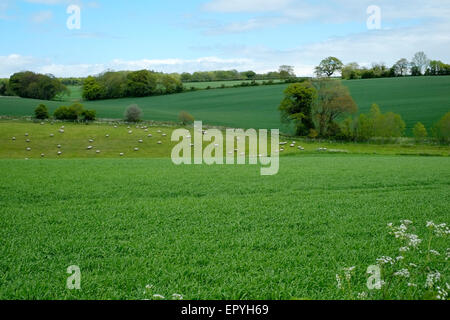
69, 113
419, 131
185, 118
133, 113
88, 115
41, 112
61, 113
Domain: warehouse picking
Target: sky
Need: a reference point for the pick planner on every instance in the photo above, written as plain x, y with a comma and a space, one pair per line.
198, 35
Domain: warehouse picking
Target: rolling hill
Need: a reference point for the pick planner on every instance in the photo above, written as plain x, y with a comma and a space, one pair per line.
424, 99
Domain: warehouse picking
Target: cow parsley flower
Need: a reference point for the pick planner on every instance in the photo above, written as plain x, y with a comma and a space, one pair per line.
436, 253
385, 260
402, 273
432, 278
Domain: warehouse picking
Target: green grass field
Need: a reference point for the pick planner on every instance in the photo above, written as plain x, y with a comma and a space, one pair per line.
424, 99
219, 232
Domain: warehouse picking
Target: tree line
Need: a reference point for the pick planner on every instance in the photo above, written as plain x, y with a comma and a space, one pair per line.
142, 83
324, 108
284, 72
419, 65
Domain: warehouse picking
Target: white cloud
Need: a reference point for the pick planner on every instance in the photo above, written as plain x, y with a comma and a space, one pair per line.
42, 16
330, 11
246, 5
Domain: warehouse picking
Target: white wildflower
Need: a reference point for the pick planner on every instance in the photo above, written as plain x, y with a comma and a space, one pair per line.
158, 296
403, 249
442, 294
338, 280
402, 273
385, 260
436, 253
412, 285
432, 278
348, 272
362, 295
177, 296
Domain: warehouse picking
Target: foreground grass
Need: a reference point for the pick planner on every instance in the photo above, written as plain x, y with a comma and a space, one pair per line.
207, 232
75, 140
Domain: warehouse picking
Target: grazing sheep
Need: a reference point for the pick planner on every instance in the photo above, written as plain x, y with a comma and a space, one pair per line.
301, 148
61, 131
42, 155
159, 131
28, 149
26, 134
121, 154
141, 141
159, 142
292, 145
164, 135
52, 135
136, 149
59, 153
130, 132
91, 140
149, 136
89, 148
115, 126
146, 130
42, 123
62, 127
283, 143
107, 135
58, 146
14, 138
98, 151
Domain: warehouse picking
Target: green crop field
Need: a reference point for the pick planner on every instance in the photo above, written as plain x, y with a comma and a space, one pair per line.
424, 99
208, 232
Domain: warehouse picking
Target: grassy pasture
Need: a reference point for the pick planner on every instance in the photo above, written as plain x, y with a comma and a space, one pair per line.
75, 140
424, 99
208, 232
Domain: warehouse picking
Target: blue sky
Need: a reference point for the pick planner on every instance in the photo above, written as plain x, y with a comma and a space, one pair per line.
177, 36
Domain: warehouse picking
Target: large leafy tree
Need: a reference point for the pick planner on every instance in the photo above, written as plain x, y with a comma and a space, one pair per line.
329, 66
420, 62
333, 101
296, 106
36, 86
401, 67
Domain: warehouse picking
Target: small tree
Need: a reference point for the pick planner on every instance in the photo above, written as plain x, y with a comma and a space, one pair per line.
133, 113
329, 66
41, 112
419, 131
296, 106
185, 118
442, 128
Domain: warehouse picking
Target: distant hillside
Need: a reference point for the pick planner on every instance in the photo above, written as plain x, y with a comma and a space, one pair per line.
424, 99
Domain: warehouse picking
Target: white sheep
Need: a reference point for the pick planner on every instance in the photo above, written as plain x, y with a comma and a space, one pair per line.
91, 140
28, 149
28, 140
107, 135
136, 149
58, 146
98, 151
14, 138
59, 153
52, 135
89, 148
149, 136
42, 155
159, 142
141, 141
130, 132
26, 134
121, 154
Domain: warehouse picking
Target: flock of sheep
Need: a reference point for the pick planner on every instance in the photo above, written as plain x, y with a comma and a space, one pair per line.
91, 140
